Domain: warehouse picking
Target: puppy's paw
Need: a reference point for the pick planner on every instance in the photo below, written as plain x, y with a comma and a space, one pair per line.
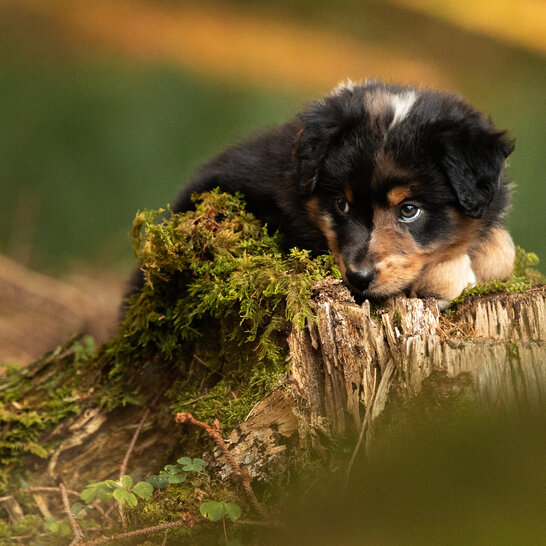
446, 279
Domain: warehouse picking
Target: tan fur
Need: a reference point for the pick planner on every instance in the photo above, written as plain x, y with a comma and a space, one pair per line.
313, 209
397, 195
494, 257
443, 268
324, 222
349, 194
377, 104
386, 167
393, 253
465, 231
446, 279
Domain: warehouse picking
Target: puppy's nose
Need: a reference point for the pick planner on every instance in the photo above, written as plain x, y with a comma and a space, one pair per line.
361, 278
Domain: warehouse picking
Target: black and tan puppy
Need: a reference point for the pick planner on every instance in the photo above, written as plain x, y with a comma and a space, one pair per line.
404, 186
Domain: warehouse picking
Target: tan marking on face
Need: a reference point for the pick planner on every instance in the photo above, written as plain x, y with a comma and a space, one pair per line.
464, 233
440, 268
494, 257
349, 194
313, 209
393, 253
386, 167
397, 195
324, 222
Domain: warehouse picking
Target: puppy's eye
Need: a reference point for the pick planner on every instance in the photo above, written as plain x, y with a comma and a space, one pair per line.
342, 205
409, 213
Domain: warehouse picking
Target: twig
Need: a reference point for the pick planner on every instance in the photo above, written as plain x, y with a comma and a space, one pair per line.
199, 359
125, 463
194, 400
121, 513
363, 427
164, 541
48, 490
12, 507
76, 529
187, 520
42, 505
240, 474
28, 537
109, 522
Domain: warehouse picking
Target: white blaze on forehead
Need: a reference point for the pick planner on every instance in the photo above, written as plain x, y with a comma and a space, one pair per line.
402, 105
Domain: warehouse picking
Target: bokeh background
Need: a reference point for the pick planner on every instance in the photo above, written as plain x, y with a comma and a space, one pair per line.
106, 107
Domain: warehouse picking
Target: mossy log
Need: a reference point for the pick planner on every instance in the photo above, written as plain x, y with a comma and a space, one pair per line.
344, 365
90, 443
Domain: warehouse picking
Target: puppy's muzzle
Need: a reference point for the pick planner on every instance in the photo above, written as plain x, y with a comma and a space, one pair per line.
360, 278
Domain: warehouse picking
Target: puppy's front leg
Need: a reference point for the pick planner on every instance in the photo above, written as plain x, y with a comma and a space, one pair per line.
493, 258
446, 280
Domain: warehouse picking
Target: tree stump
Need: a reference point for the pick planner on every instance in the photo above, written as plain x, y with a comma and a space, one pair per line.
351, 359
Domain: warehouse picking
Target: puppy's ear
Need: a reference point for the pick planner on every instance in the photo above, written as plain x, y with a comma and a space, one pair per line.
472, 156
319, 125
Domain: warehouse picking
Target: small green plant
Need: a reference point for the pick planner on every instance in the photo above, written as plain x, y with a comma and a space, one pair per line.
84, 349
123, 491
217, 510
58, 527
192, 465
176, 473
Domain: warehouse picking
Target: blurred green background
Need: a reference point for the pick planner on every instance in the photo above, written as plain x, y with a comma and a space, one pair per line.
108, 106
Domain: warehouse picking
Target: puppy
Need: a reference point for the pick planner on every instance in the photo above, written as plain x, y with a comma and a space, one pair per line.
404, 186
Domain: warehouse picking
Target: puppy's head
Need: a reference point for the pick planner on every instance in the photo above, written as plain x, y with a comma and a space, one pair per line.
398, 179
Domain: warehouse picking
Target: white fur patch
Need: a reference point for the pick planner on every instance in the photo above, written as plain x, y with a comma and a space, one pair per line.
402, 104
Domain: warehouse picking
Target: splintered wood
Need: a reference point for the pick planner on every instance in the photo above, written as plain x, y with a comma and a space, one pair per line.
497, 343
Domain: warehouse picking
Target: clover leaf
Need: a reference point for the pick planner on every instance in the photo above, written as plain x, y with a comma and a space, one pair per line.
215, 510
192, 465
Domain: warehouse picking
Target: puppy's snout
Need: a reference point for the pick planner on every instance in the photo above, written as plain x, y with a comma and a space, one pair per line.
361, 278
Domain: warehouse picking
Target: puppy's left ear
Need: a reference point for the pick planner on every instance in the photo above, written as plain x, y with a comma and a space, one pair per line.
320, 126
317, 129
473, 157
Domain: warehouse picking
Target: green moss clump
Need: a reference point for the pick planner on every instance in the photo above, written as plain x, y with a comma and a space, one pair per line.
210, 321
524, 277
34, 399
218, 297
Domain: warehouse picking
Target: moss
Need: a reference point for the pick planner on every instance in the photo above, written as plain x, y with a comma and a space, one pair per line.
524, 277
218, 297
210, 322
34, 399
30, 526
211, 318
